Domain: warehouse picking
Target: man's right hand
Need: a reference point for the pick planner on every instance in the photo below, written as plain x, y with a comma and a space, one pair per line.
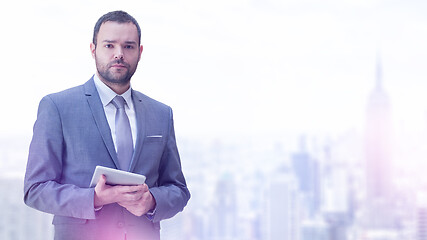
106, 194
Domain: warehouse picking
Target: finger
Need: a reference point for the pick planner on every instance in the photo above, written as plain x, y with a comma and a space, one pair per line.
139, 199
131, 189
132, 204
128, 204
102, 180
138, 188
133, 197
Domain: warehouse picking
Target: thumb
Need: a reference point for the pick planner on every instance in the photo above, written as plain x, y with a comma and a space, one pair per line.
99, 200
102, 181
145, 188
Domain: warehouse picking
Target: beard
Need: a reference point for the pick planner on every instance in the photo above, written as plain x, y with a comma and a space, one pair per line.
120, 77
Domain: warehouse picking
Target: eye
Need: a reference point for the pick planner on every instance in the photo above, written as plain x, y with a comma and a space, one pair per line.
129, 47
109, 45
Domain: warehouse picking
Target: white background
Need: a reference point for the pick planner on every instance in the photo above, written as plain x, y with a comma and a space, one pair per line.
229, 67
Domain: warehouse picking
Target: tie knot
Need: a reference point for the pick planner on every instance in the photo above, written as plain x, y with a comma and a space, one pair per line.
118, 102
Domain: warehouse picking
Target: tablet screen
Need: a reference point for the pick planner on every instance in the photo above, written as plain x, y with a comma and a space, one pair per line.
116, 177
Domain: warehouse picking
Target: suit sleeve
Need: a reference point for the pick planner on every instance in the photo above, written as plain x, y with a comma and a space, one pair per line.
42, 187
172, 193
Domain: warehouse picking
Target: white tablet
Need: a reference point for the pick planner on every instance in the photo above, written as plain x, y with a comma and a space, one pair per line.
116, 177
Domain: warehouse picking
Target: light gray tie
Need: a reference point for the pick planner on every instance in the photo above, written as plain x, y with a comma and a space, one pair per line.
124, 140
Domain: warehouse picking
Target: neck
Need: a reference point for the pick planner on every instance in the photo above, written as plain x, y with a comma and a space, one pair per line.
118, 88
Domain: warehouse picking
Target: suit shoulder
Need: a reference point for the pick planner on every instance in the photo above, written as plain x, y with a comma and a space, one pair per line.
150, 102
67, 94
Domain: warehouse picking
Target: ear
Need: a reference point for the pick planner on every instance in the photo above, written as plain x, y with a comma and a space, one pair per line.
140, 52
92, 49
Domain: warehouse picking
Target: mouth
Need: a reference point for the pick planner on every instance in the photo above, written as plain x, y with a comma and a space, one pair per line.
118, 66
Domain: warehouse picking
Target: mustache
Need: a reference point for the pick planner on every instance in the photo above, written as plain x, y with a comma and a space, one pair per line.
119, 61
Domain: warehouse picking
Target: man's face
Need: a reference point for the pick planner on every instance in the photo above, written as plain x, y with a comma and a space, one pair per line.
117, 52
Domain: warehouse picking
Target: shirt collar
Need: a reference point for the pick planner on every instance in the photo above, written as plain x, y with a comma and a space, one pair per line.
106, 94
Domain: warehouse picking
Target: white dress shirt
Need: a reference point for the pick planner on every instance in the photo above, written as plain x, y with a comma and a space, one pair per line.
106, 95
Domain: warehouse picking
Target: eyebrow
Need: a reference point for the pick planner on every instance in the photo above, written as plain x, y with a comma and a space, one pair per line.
113, 41
130, 42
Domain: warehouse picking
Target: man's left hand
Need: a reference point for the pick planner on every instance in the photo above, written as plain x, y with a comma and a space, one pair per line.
140, 206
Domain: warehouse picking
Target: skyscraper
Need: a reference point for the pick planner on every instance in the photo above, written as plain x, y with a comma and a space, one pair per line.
283, 210
378, 154
306, 169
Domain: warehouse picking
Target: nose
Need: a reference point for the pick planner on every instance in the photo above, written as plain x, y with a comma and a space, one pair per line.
118, 54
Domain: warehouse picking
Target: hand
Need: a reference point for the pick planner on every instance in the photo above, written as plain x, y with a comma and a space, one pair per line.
140, 206
106, 194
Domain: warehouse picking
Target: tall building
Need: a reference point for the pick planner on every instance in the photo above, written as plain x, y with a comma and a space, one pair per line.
283, 209
306, 169
223, 223
335, 207
378, 154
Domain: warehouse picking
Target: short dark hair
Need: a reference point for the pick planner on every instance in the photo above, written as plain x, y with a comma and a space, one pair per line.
115, 16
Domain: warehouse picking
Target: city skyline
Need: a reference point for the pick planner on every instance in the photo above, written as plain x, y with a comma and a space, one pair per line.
285, 178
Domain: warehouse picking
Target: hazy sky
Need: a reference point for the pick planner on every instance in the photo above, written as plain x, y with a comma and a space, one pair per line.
230, 67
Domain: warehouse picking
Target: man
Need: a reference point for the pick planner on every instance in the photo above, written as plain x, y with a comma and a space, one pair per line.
105, 122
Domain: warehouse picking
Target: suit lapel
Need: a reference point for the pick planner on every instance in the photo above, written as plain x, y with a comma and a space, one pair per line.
140, 111
98, 113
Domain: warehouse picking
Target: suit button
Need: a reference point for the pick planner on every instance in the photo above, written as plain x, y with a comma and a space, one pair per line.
120, 224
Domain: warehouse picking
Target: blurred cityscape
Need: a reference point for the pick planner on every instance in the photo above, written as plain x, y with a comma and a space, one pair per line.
361, 185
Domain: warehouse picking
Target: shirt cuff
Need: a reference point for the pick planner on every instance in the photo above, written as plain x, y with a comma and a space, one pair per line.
150, 214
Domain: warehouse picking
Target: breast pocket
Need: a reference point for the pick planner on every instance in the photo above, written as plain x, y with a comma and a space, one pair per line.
153, 138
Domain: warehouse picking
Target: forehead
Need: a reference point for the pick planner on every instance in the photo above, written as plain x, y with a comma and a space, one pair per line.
120, 32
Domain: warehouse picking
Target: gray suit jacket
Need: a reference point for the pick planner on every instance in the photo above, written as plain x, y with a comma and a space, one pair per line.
71, 137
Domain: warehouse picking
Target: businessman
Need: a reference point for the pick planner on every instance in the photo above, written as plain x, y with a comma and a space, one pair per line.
105, 122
